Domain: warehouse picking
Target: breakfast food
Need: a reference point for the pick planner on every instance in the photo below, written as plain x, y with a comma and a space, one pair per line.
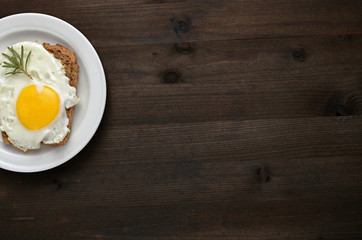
37, 94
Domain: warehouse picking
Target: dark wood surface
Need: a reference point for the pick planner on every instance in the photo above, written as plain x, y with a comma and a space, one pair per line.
224, 120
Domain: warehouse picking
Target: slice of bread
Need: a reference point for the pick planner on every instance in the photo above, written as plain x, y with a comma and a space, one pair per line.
71, 67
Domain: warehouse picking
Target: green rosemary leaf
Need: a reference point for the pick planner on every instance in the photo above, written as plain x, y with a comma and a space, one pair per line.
27, 60
16, 62
11, 59
16, 55
13, 72
22, 55
9, 65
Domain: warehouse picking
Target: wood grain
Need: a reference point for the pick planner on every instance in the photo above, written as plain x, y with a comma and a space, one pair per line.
237, 79
153, 21
213, 186
224, 120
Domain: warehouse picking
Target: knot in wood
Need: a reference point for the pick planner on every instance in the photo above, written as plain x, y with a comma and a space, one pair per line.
182, 26
263, 174
298, 55
342, 104
183, 47
171, 77
341, 110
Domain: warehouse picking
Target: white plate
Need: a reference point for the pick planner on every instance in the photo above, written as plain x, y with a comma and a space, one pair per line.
91, 89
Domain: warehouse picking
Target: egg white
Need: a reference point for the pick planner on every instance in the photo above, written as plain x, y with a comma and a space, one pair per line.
45, 70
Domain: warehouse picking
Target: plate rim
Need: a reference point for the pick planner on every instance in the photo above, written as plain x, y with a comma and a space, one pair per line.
97, 118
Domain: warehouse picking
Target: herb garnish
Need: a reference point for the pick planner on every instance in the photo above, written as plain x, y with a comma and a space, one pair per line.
17, 62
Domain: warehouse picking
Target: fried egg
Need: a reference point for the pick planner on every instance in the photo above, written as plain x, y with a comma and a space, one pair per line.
33, 111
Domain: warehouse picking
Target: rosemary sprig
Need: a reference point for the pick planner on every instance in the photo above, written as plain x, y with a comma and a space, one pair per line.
16, 62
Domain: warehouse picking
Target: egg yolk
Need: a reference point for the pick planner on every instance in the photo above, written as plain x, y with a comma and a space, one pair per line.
37, 109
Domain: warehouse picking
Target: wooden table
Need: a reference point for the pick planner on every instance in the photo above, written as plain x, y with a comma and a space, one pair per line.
224, 120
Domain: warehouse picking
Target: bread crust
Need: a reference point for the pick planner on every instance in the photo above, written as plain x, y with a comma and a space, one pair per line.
71, 67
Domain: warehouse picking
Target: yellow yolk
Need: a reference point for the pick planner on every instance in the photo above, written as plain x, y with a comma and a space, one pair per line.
37, 109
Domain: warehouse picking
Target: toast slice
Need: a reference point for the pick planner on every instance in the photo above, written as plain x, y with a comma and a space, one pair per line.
71, 67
